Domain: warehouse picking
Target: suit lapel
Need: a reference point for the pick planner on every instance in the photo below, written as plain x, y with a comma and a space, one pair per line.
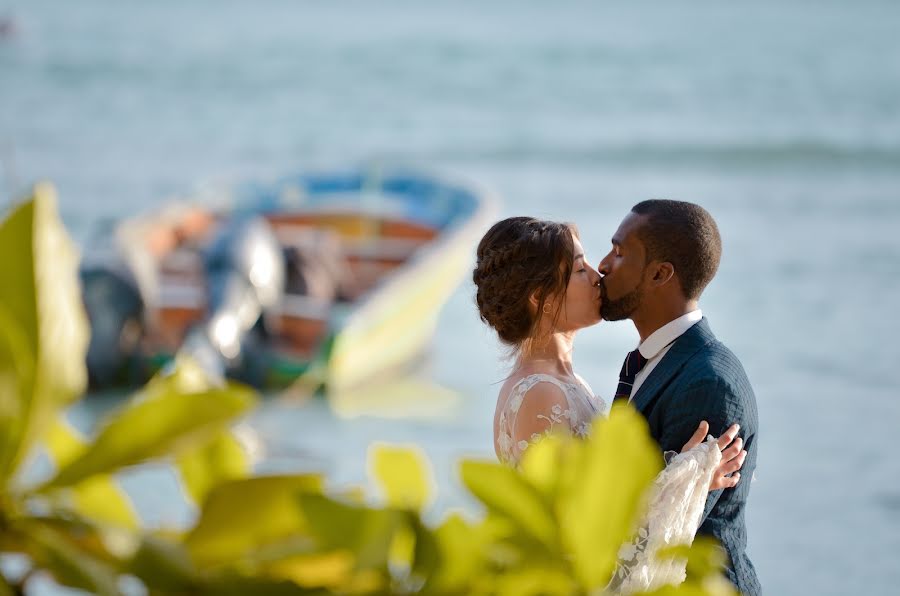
684, 347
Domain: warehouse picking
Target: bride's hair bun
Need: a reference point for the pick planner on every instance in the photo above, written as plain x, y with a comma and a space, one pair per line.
517, 258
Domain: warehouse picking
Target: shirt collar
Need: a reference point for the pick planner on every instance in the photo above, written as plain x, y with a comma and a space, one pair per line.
668, 333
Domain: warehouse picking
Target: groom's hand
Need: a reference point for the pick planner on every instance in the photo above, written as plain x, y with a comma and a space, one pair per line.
698, 437
732, 455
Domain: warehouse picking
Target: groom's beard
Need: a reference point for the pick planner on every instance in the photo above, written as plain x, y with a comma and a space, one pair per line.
622, 308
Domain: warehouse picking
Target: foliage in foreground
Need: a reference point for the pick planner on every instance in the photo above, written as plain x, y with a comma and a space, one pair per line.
553, 527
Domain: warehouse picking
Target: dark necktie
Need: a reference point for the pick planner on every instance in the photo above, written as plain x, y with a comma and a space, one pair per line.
633, 364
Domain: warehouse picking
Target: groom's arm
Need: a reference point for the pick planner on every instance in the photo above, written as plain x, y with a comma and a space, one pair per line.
707, 398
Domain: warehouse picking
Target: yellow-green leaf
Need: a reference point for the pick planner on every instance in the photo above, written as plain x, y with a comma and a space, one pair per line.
505, 492
100, 497
367, 533
58, 553
689, 589
238, 585
541, 463
331, 570
16, 371
461, 555
207, 465
164, 566
40, 291
425, 556
242, 516
64, 442
402, 549
161, 420
403, 475
5, 588
599, 506
535, 580
706, 560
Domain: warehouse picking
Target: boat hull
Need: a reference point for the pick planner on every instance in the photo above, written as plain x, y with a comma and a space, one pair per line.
407, 240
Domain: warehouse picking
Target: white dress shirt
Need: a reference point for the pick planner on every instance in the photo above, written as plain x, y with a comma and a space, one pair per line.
657, 345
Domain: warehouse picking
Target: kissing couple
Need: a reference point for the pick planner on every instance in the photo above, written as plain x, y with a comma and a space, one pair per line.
536, 289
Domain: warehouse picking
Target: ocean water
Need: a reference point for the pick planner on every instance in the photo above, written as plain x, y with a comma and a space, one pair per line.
783, 119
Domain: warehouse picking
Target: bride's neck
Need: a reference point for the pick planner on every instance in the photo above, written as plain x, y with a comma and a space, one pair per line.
554, 352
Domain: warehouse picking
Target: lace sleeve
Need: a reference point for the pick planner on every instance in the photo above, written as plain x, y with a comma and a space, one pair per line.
673, 516
535, 407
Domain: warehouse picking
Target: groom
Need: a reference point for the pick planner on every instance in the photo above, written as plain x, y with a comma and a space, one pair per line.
663, 256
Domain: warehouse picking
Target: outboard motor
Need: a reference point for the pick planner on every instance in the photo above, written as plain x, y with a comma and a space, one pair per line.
245, 273
116, 310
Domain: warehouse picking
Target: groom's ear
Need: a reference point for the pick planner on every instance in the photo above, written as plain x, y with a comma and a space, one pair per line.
663, 273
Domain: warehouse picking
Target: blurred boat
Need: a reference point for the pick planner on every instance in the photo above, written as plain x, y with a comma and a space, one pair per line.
319, 281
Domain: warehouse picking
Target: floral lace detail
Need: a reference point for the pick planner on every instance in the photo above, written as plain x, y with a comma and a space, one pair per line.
676, 506
581, 409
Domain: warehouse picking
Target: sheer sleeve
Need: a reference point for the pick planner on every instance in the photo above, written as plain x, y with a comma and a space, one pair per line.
673, 516
536, 406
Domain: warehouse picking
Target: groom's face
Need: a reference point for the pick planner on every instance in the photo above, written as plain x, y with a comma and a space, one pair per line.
622, 285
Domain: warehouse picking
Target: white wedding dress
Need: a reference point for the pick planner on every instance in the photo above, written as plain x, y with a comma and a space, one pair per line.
679, 491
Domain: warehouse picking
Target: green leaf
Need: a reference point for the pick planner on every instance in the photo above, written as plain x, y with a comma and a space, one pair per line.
682, 590
242, 516
163, 419
100, 497
604, 492
311, 570
403, 476
537, 580
365, 532
5, 588
44, 352
714, 584
706, 560
541, 462
57, 552
236, 585
63, 442
505, 492
426, 554
460, 554
207, 465
10, 540
164, 566
16, 371
402, 550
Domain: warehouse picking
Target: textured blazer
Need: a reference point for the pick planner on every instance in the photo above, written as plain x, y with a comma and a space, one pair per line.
700, 379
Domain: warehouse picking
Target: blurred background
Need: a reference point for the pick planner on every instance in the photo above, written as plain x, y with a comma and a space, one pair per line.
782, 119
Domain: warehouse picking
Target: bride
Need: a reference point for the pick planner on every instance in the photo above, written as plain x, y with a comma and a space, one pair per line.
536, 290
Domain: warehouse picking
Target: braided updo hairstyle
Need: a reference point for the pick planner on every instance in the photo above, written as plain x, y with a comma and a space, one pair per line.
516, 258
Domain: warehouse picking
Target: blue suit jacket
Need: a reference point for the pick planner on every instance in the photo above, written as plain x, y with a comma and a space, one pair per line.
700, 379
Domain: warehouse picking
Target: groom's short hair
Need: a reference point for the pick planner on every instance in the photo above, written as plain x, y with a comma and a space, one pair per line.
685, 235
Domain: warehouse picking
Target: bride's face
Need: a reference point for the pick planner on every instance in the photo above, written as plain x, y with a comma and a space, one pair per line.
582, 303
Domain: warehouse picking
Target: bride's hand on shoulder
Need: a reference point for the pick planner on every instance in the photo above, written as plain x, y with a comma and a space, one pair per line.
733, 455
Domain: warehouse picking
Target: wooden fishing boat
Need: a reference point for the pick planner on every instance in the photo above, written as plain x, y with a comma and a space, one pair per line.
369, 261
